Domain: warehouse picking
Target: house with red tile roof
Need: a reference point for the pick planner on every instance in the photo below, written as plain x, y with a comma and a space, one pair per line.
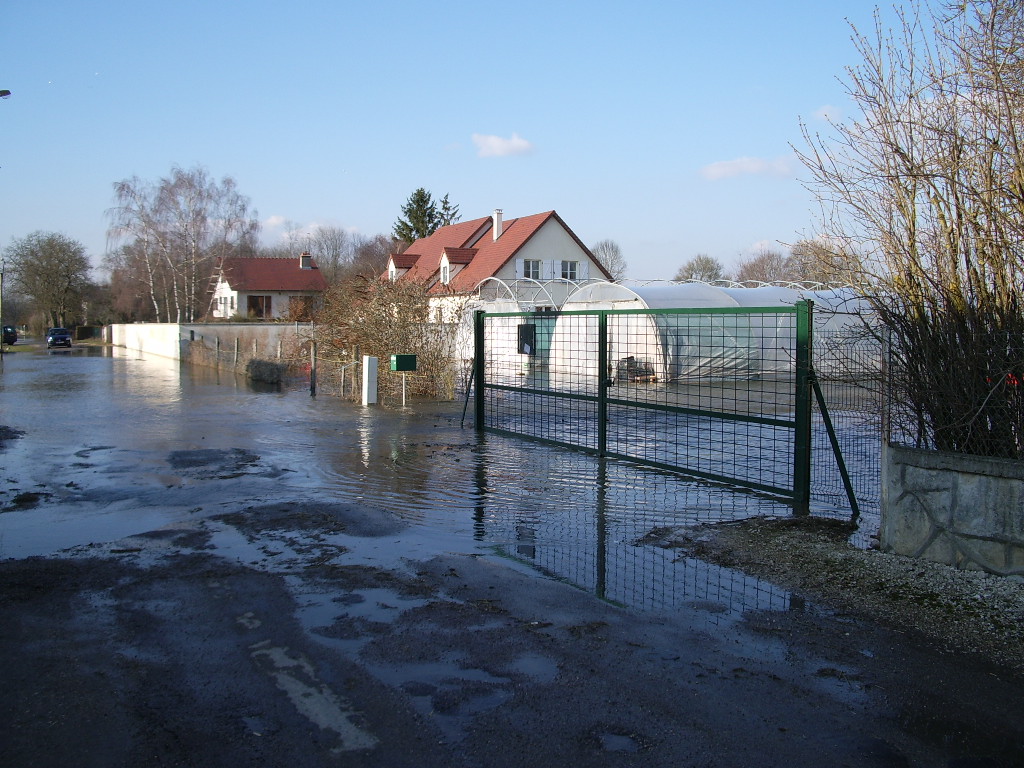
267, 288
537, 259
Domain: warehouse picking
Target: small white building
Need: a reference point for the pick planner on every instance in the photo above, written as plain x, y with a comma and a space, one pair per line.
267, 288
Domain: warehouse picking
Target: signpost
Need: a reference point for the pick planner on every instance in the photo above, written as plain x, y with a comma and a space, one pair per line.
404, 364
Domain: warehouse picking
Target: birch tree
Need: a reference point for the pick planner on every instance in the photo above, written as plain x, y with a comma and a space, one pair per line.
171, 235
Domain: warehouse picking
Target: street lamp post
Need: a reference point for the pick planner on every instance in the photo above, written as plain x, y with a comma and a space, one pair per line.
4, 93
3, 268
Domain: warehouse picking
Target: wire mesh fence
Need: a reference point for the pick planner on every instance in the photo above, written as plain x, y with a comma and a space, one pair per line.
849, 367
713, 393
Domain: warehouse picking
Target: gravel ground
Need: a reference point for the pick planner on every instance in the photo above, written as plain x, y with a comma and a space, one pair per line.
963, 611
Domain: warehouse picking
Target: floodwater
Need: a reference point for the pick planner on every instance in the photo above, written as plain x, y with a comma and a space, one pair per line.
118, 443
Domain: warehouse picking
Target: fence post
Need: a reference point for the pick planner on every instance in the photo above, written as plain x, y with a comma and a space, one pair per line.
802, 417
478, 368
312, 369
602, 383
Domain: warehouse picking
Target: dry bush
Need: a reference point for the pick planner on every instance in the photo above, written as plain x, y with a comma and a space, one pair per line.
366, 316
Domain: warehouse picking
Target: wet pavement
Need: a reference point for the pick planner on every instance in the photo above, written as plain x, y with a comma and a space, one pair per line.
197, 572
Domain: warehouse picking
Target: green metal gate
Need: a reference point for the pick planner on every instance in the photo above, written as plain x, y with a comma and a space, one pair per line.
721, 394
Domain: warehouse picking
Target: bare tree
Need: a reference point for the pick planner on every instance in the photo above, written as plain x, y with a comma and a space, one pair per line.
370, 255
768, 266
173, 233
52, 270
332, 248
817, 261
609, 254
701, 267
926, 190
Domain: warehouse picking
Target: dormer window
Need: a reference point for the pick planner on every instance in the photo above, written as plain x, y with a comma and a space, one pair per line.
446, 273
392, 272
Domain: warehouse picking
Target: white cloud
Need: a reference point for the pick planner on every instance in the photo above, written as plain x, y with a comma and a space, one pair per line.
747, 166
271, 222
828, 113
496, 146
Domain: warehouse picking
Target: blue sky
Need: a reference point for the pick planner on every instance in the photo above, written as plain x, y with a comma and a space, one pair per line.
663, 126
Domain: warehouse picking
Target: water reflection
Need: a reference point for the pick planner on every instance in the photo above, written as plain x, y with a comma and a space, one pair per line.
570, 515
583, 527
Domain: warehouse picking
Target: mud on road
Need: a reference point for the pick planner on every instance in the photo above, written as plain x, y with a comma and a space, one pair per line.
262, 636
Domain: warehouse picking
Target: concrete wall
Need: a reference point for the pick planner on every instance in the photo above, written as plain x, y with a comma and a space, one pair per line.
964, 511
162, 339
173, 339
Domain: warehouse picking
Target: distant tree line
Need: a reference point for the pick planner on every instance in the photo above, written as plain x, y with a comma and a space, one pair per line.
808, 261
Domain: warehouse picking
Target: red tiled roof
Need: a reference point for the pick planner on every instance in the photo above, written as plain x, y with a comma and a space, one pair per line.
428, 249
271, 274
487, 255
403, 260
460, 255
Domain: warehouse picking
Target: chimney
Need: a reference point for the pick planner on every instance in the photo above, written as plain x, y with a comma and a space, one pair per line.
305, 260
496, 218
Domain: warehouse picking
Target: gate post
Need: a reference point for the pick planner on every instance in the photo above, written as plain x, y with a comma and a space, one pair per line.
477, 379
602, 382
802, 417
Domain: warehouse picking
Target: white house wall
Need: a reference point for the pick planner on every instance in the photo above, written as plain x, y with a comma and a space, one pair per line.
551, 245
223, 291
280, 302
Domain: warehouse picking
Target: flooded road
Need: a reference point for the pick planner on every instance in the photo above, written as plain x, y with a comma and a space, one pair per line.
194, 571
138, 442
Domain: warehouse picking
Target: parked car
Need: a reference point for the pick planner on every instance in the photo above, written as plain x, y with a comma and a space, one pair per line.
10, 334
58, 337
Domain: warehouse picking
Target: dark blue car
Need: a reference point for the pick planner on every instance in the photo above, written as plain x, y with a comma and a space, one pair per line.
58, 337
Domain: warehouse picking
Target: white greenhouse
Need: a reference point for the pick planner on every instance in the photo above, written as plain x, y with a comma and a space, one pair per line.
671, 347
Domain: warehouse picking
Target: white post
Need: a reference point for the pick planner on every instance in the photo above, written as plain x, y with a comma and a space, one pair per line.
369, 380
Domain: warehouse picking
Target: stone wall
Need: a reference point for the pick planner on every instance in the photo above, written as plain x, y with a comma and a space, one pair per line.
964, 511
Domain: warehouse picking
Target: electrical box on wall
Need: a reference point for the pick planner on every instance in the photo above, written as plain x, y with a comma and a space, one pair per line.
403, 362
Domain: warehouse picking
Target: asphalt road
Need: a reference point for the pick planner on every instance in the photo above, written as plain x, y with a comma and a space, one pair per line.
263, 622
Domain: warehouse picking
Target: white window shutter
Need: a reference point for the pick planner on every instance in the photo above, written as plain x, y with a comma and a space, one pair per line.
584, 270
520, 273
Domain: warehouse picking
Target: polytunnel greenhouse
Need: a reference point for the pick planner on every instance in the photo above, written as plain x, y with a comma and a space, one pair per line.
717, 342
